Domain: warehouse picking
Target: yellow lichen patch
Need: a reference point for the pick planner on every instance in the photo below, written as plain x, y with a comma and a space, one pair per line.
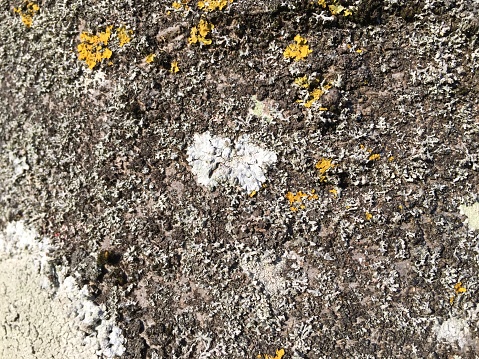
150, 58
181, 5
374, 157
174, 67
299, 50
211, 5
297, 199
322, 3
368, 216
302, 82
459, 289
391, 158
124, 36
314, 95
26, 12
323, 165
252, 194
334, 191
335, 8
200, 32
92, 48
279, 355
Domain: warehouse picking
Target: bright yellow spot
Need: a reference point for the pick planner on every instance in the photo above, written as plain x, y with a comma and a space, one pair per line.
451, 300
296, 199
279, 355
400, 207
313, 195
359, 51
299, 50
391, 158
26, 12
174, 67
458, 288
252, 194
315, 95
374, 157
368, 216
123, 36
323, 165
336, 9
211, 5
302, 82
322, 3
334, 191
182, 4
199, 33
323, 109
92, 48
150, 58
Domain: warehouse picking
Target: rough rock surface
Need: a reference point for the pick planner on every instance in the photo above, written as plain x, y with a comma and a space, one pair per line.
354, 247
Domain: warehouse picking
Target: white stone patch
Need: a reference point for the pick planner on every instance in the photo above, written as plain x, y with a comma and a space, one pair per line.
454, 330
472, 214
39, 321
216, 159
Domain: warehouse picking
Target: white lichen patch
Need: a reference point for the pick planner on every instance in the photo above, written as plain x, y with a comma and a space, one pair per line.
454, 331
472, 214
267, 274
216, 159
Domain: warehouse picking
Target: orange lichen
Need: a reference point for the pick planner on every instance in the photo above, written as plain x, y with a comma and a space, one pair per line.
368, 216
374, 157
299, 50
200, 32
26, 12
459, 289
211, 5
296, 199
279, 355
124, 36
323, 165
92, 48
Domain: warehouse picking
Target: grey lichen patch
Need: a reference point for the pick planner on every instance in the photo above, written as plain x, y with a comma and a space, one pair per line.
472, 214
216, 159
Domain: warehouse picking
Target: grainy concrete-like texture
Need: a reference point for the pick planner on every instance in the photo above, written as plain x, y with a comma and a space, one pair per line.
38, 321
228, 179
